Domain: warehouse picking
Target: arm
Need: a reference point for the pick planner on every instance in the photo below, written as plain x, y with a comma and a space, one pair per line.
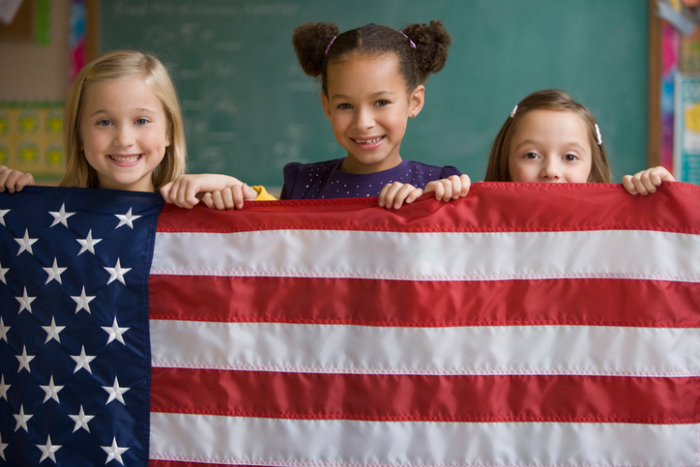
397, 193
14, 180
219, 191
646, 181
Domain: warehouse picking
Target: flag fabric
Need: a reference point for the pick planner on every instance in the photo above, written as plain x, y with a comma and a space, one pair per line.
526, 324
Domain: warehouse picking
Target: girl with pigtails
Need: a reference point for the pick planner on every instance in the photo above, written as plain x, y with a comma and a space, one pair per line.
371, 85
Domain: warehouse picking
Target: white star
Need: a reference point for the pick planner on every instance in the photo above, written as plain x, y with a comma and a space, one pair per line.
3, 271
22, 419
52, 331
51, 391
126, 219
2, 215
3, 388
2, 449
54, 272
83, 301
82, 361
48, 450
24, 360
115, 332
115, 392
3, 330
117, 273
81, 420
26, 243
114, 452
61, 217
88, 244
25, 301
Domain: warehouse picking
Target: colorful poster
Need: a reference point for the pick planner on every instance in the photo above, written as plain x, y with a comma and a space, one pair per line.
31, 139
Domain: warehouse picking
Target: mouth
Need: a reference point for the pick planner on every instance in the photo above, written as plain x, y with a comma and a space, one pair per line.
368, 143
125, 159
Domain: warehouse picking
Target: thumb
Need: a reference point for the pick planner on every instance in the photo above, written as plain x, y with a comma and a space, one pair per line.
249, 194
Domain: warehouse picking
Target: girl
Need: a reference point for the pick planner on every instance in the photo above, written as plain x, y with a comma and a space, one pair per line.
123, 130
550, 138
371, 84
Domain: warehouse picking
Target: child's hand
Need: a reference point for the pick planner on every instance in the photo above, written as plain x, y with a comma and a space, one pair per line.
14, 180
393, 195
219, 191
646, 181
453, 187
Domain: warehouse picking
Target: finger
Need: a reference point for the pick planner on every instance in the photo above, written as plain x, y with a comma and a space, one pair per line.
629, 186
249, 194
227, 198
456, 185
218, 202
447, 185
237, 193
647, 182
208, 201
383, 194
3, 179
391, 194
639, 185
401, 195
190, 194
466, 184
25, 180
413, 195
11, 181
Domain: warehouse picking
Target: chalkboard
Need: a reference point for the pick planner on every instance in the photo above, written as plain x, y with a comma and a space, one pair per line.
249, 109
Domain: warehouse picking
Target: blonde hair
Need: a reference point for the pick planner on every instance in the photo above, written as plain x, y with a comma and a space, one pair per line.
547, 99
114, 65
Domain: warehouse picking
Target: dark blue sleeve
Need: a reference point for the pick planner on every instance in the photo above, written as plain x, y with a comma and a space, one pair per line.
448, 171
291, 171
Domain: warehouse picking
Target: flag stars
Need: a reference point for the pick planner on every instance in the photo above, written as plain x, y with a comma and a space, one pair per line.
3, 330
88, 244
52, 331
115, 392
117, 273
126, 219
114, 452
25, 243
82, 361
22, 419
2, 449
3, 388
81, 420
61, 217
24, 360
25, 302
54, 273
3, 271
115, 332
51, 391
2, 216
82, 302
48, 450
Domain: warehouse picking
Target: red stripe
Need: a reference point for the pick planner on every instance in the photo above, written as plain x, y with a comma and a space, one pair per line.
539, 398
489, 207
600, 302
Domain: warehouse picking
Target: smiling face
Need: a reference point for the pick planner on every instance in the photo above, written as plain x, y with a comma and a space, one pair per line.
124, 133
550, 146
368, 106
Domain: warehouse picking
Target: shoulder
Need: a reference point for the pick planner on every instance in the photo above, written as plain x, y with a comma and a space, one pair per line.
299, 179
295, 170
430, 171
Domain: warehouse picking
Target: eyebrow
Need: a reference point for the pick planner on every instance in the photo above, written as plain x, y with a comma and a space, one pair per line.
139, 110
376, 94
532, 141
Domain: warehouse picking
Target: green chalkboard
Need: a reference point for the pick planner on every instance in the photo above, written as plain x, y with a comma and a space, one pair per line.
249, 109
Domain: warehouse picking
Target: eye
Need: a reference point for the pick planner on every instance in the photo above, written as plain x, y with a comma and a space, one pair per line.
570, 157
141, 121
344, 106
382, 103
531, 155
104, 122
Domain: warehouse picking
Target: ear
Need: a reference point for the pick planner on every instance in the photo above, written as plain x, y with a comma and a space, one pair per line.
416, 100
326, 106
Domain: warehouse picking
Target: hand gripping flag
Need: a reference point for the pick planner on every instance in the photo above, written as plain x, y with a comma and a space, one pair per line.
526, 324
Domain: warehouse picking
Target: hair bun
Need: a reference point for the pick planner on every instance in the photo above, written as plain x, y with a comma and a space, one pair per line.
432, 43
310, 41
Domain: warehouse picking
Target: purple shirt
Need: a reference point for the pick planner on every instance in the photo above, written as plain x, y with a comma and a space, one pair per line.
324, 180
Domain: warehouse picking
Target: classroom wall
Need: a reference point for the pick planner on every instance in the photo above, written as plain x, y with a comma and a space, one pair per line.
33, 72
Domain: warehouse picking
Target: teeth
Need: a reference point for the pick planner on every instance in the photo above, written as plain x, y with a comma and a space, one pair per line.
125, 158
369, 141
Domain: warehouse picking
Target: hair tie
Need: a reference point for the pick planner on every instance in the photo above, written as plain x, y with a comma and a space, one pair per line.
598, 135
413, 44
330, 44
515, 109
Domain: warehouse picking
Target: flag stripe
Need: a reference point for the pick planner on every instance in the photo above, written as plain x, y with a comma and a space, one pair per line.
434, 256
426, 398
584, 350
611, 302
283, 442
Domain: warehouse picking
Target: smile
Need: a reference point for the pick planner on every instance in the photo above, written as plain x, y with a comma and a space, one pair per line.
125, 158
368, 141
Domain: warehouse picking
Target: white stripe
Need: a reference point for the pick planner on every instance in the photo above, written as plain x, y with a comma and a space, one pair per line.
334, 443
577, 350
432, 256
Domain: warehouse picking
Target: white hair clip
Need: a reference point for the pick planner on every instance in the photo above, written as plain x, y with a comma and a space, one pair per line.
515, 109
598, 135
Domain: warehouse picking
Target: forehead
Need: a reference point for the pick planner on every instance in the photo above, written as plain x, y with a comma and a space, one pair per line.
120, 92
359, 72
554, 125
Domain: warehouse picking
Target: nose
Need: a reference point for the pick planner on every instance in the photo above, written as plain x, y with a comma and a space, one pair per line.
364, 119
124, 136
550, 169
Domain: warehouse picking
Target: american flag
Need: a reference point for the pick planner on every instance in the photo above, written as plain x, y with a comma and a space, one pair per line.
524, 325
